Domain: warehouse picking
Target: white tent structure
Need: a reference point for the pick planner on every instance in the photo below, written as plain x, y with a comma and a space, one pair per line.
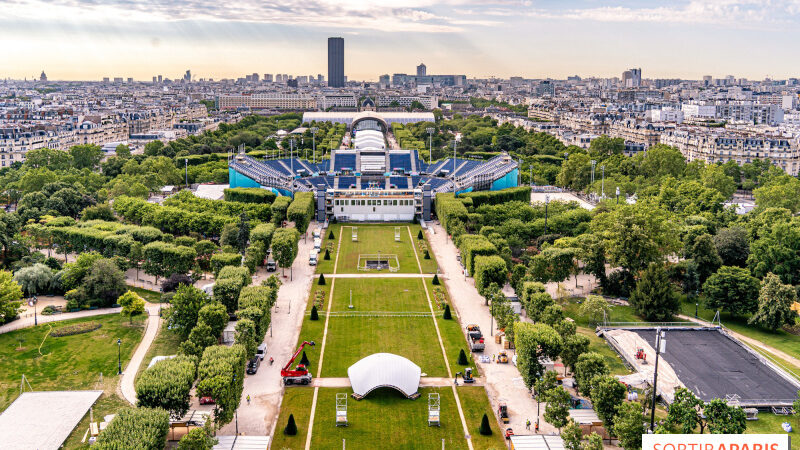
384, 370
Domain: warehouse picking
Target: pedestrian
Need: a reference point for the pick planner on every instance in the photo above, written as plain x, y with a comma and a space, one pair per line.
528, 424
492, 357
248, 399
537, 426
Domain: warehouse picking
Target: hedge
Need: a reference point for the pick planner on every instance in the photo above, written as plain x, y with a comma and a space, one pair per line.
255, 303
221, 377
162, 259
226, 291
488, 270
171, 219
76, 328
249, 195
139, 428
167, 385
472, 245
520, 193
263, 233
450, 210
236, 272
188, 201
301, 210
220, 260
279, 207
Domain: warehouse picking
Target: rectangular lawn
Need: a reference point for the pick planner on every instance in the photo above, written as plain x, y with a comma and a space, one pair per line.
373, 239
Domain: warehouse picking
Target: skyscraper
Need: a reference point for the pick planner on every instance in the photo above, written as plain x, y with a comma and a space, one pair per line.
336, 62
421, 70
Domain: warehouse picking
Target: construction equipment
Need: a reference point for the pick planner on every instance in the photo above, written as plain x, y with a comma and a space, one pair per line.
509, 433
468, 378
502, 358
502, 411
475, 338
641, 355
300, 374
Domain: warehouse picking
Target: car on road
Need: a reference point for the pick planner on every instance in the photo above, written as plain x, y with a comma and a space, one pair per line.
271, 266
262, 351
252, 365
207, 401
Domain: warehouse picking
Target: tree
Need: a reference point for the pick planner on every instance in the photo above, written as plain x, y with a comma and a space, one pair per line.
686, 410
246, 336
777, 247
175, 280
595, 442
572, 435
200, 338
552, 315
304, 360
733, 246
628, 425
186, 304
447, 315
243, 236
291, 427
86, 156
314, 313
321, 281
462, 358
537, 303
167, 384
654, 299
547, 382
197, 439
714, 177
419, 235
574, 347
775, 304
123, 151
35, 279
588, 366
105, 281
606, 394
781, 192
214, 315
48, 158
435, 281
594, 308
330, 235
723, 418
10, 296
705, 256
485, 429
132, 304
732, 289
556, 412
534, 341
606, 146
553, 264
284, 246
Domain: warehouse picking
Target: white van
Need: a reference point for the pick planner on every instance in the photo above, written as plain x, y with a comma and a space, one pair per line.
312, 258
317, 233
317, 243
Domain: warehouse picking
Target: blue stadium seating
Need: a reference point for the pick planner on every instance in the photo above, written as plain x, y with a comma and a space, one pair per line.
400, 162
345, 161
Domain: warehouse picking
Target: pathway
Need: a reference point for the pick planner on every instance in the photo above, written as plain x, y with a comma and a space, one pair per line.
126, 385
503, 381
423, 382
28, 321
560, 196
265, 387
750, 341
379, 275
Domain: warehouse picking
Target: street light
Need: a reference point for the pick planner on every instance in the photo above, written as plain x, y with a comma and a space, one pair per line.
618, 195
119, 356
661, 345
536, 395
594, 163
314, 142
430, 131
546, 202
603, 183
186, 168
236, 413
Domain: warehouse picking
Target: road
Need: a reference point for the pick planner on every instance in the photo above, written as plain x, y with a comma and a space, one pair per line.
503, 381
265, 388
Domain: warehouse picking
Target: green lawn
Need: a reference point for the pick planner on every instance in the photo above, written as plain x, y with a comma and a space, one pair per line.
617, 313
779, 339
296, 401
373, 239
70, 362
148, 295
768, 423
599, 345
387, 420
452, 335
166, 343
475, 404
380, 294
326, 266
107, 404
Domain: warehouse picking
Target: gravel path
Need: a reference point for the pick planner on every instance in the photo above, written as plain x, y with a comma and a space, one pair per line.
154, 321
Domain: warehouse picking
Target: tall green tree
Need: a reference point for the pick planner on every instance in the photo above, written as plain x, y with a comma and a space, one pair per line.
86, 156
705, 255
686, 411
574, 347
629, 426
10, 296
775, 302
243, 236
132, 304
654, 298
732, 289
733, 246
186, 304
724, 419
588, 366
606, 394
534, 341
556, 413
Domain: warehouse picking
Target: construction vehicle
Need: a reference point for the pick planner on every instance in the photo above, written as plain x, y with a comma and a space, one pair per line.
300, 374
641, 355
468, 378
502, 411
509, 433
502, 358
475, 338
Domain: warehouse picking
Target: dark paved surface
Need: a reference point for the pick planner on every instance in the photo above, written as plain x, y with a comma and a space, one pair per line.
713, 366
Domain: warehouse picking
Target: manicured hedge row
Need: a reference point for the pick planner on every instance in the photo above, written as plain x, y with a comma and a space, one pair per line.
162, 259
221, 377
488, 270
263, 233
76, 328
167, 385
175, 220
472, 245
229, 284
450, 211
255, 303
249, 195
301, 210
108, 238
520, 193
279, 207
139, 428
187, 200
220, 260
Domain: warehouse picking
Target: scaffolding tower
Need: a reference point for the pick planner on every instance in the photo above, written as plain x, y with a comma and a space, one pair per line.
433, 409
341, 410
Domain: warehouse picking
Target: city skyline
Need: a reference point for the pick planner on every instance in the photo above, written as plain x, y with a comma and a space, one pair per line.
84, 40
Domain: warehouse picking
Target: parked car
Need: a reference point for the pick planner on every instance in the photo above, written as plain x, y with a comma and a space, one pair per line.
252, 365
262, 351
207, 401
271, 265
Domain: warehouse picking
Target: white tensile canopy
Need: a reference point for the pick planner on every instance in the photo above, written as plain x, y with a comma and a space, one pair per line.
384, 370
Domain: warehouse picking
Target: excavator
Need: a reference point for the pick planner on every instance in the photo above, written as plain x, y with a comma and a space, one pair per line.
300, 374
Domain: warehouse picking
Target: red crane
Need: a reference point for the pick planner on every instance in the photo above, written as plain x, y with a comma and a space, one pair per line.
300, 374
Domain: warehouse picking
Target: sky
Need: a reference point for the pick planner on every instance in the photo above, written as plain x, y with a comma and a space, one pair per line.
91, 39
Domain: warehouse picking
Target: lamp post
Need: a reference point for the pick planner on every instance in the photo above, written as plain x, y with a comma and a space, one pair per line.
536, 394
454, 158
186, 170
594, 163
603, 183
236, 413
618, 195
546, 203
661, 345
695, 310
119, 356
430, 131
314, 143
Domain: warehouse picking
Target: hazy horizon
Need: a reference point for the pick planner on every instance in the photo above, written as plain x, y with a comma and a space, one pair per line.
88, 40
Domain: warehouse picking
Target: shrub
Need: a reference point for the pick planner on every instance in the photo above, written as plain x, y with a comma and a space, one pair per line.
486, 429
167, 385
472, 245
321, 281
435, 281
263, 233
450, 211
226, 291
419, 235
75, 328
427, 255
304, 360
314, 313
447, 315
462, 358
48, 310
327, 256
175, 280
220, 260
330, 235
279, 207
291, 427
238, 273
249, 195
521, 193
488, 270
221, 377
301, 210
140, 428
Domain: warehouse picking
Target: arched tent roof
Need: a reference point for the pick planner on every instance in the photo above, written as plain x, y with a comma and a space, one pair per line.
384, 370
367, 115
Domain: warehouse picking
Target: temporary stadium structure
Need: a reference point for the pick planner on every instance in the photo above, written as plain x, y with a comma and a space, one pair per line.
384, 370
